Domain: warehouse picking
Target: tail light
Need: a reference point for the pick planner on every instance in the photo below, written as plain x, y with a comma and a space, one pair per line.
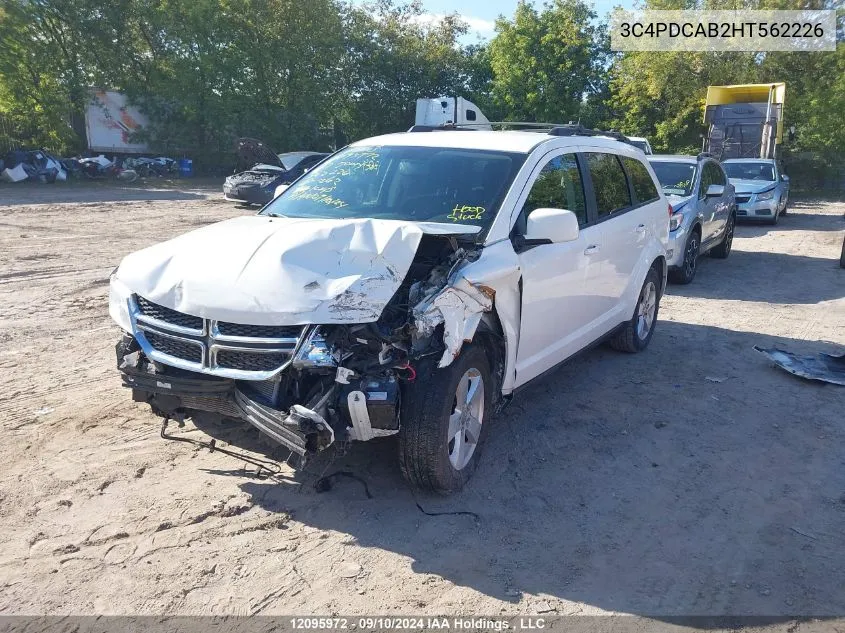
671, 210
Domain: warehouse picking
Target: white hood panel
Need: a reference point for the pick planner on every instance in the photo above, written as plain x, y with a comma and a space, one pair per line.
261, 270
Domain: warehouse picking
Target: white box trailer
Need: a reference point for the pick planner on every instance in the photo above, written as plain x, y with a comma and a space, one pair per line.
450, 111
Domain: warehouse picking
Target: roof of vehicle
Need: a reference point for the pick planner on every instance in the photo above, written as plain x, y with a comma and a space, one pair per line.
749, 160
503, 141
673, 158
290, 159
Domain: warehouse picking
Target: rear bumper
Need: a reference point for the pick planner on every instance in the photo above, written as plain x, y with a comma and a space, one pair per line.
675, 247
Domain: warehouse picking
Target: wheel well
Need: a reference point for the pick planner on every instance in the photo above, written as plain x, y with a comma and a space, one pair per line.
659, 265
491, 338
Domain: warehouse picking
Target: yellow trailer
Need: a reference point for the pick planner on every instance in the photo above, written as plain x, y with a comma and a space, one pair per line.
744, 121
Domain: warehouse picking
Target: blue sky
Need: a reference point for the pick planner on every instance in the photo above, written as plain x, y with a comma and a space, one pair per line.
481, 14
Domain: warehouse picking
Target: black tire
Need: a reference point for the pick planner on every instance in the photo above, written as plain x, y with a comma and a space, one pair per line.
427, 404
842, 256
724, 248
692, 249
785, 205
775, 217
630, 338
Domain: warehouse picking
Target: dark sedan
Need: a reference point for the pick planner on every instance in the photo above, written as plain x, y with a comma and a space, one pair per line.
257, 185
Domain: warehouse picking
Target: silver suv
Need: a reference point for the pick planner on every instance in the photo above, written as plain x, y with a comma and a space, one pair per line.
703, 211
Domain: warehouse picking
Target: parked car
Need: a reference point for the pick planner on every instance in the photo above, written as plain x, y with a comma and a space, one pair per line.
406, 285
258, 184
642, 143
762, 189
703, 211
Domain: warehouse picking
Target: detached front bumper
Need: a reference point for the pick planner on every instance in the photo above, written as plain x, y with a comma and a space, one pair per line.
176, 393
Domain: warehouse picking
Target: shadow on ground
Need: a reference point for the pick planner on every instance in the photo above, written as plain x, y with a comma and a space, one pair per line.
797, 219
596, 486
766, 277
95, 191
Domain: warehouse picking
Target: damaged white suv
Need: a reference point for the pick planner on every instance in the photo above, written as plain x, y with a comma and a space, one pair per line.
407, 285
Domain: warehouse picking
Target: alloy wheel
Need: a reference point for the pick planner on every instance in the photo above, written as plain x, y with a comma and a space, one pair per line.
646, 309
466, 418
691, 256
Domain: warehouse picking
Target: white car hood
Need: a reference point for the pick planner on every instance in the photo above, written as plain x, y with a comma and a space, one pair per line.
262, 270
751, 186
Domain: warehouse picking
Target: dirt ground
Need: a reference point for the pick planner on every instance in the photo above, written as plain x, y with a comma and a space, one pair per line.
618, 484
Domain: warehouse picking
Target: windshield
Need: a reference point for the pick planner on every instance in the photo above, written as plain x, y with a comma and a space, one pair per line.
419, 184
750, 171
292, 159
675, 178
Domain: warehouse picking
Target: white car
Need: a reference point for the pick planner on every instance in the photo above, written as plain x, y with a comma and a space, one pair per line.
406, 285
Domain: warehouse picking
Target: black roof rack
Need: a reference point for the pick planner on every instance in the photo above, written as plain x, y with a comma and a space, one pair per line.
552, 129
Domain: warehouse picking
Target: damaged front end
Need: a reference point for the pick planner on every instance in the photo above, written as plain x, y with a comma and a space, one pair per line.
309, 386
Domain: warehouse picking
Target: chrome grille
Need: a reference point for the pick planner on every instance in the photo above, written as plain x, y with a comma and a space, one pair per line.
166, 315
258, 331
232, 350
175, 347
250, 361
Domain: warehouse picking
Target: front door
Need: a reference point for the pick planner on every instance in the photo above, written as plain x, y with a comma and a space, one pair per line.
559, 302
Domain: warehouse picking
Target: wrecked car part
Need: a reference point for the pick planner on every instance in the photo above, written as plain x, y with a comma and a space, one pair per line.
822, 367
263, 270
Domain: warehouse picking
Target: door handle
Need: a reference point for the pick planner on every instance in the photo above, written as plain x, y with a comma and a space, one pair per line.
592, 248
641, 228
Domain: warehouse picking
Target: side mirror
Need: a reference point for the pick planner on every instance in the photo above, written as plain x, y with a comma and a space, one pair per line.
555, 225
280, 190
714, 191
784, 177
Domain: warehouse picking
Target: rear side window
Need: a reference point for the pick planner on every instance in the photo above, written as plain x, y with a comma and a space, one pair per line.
641, 181
609, 183
558, 186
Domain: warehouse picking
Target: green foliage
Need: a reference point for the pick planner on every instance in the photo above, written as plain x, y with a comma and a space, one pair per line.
311, 75
546, 63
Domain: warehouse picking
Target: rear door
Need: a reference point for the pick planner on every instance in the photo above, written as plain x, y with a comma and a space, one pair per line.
559, 302
624, 193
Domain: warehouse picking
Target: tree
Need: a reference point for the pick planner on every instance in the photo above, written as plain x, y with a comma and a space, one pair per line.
546, 64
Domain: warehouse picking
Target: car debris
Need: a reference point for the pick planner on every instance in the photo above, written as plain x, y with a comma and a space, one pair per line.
822, 367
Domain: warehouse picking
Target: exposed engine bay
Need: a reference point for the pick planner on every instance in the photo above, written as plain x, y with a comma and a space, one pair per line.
308, 387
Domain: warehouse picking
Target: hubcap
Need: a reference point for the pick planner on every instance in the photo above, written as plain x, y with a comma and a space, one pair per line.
646, 309
691, 256
466, 418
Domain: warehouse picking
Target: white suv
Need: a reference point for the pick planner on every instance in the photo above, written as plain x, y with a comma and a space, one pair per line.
407, 285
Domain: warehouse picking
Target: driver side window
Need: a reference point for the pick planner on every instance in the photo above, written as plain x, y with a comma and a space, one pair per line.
558, 186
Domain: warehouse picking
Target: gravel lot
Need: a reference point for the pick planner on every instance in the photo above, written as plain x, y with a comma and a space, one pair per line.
622, 484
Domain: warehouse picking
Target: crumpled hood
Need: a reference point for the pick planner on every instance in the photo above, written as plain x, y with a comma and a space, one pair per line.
262, 270
751, 186
678, 202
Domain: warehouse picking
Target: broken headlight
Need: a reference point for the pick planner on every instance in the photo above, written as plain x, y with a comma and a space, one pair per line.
314, 352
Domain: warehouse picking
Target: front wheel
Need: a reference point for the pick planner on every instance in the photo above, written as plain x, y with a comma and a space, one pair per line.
842, 256
686, 273
444, 421
635, 335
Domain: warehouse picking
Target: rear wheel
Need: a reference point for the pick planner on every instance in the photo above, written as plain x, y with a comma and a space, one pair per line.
724, 248
686, 273
445, 416
636, 333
